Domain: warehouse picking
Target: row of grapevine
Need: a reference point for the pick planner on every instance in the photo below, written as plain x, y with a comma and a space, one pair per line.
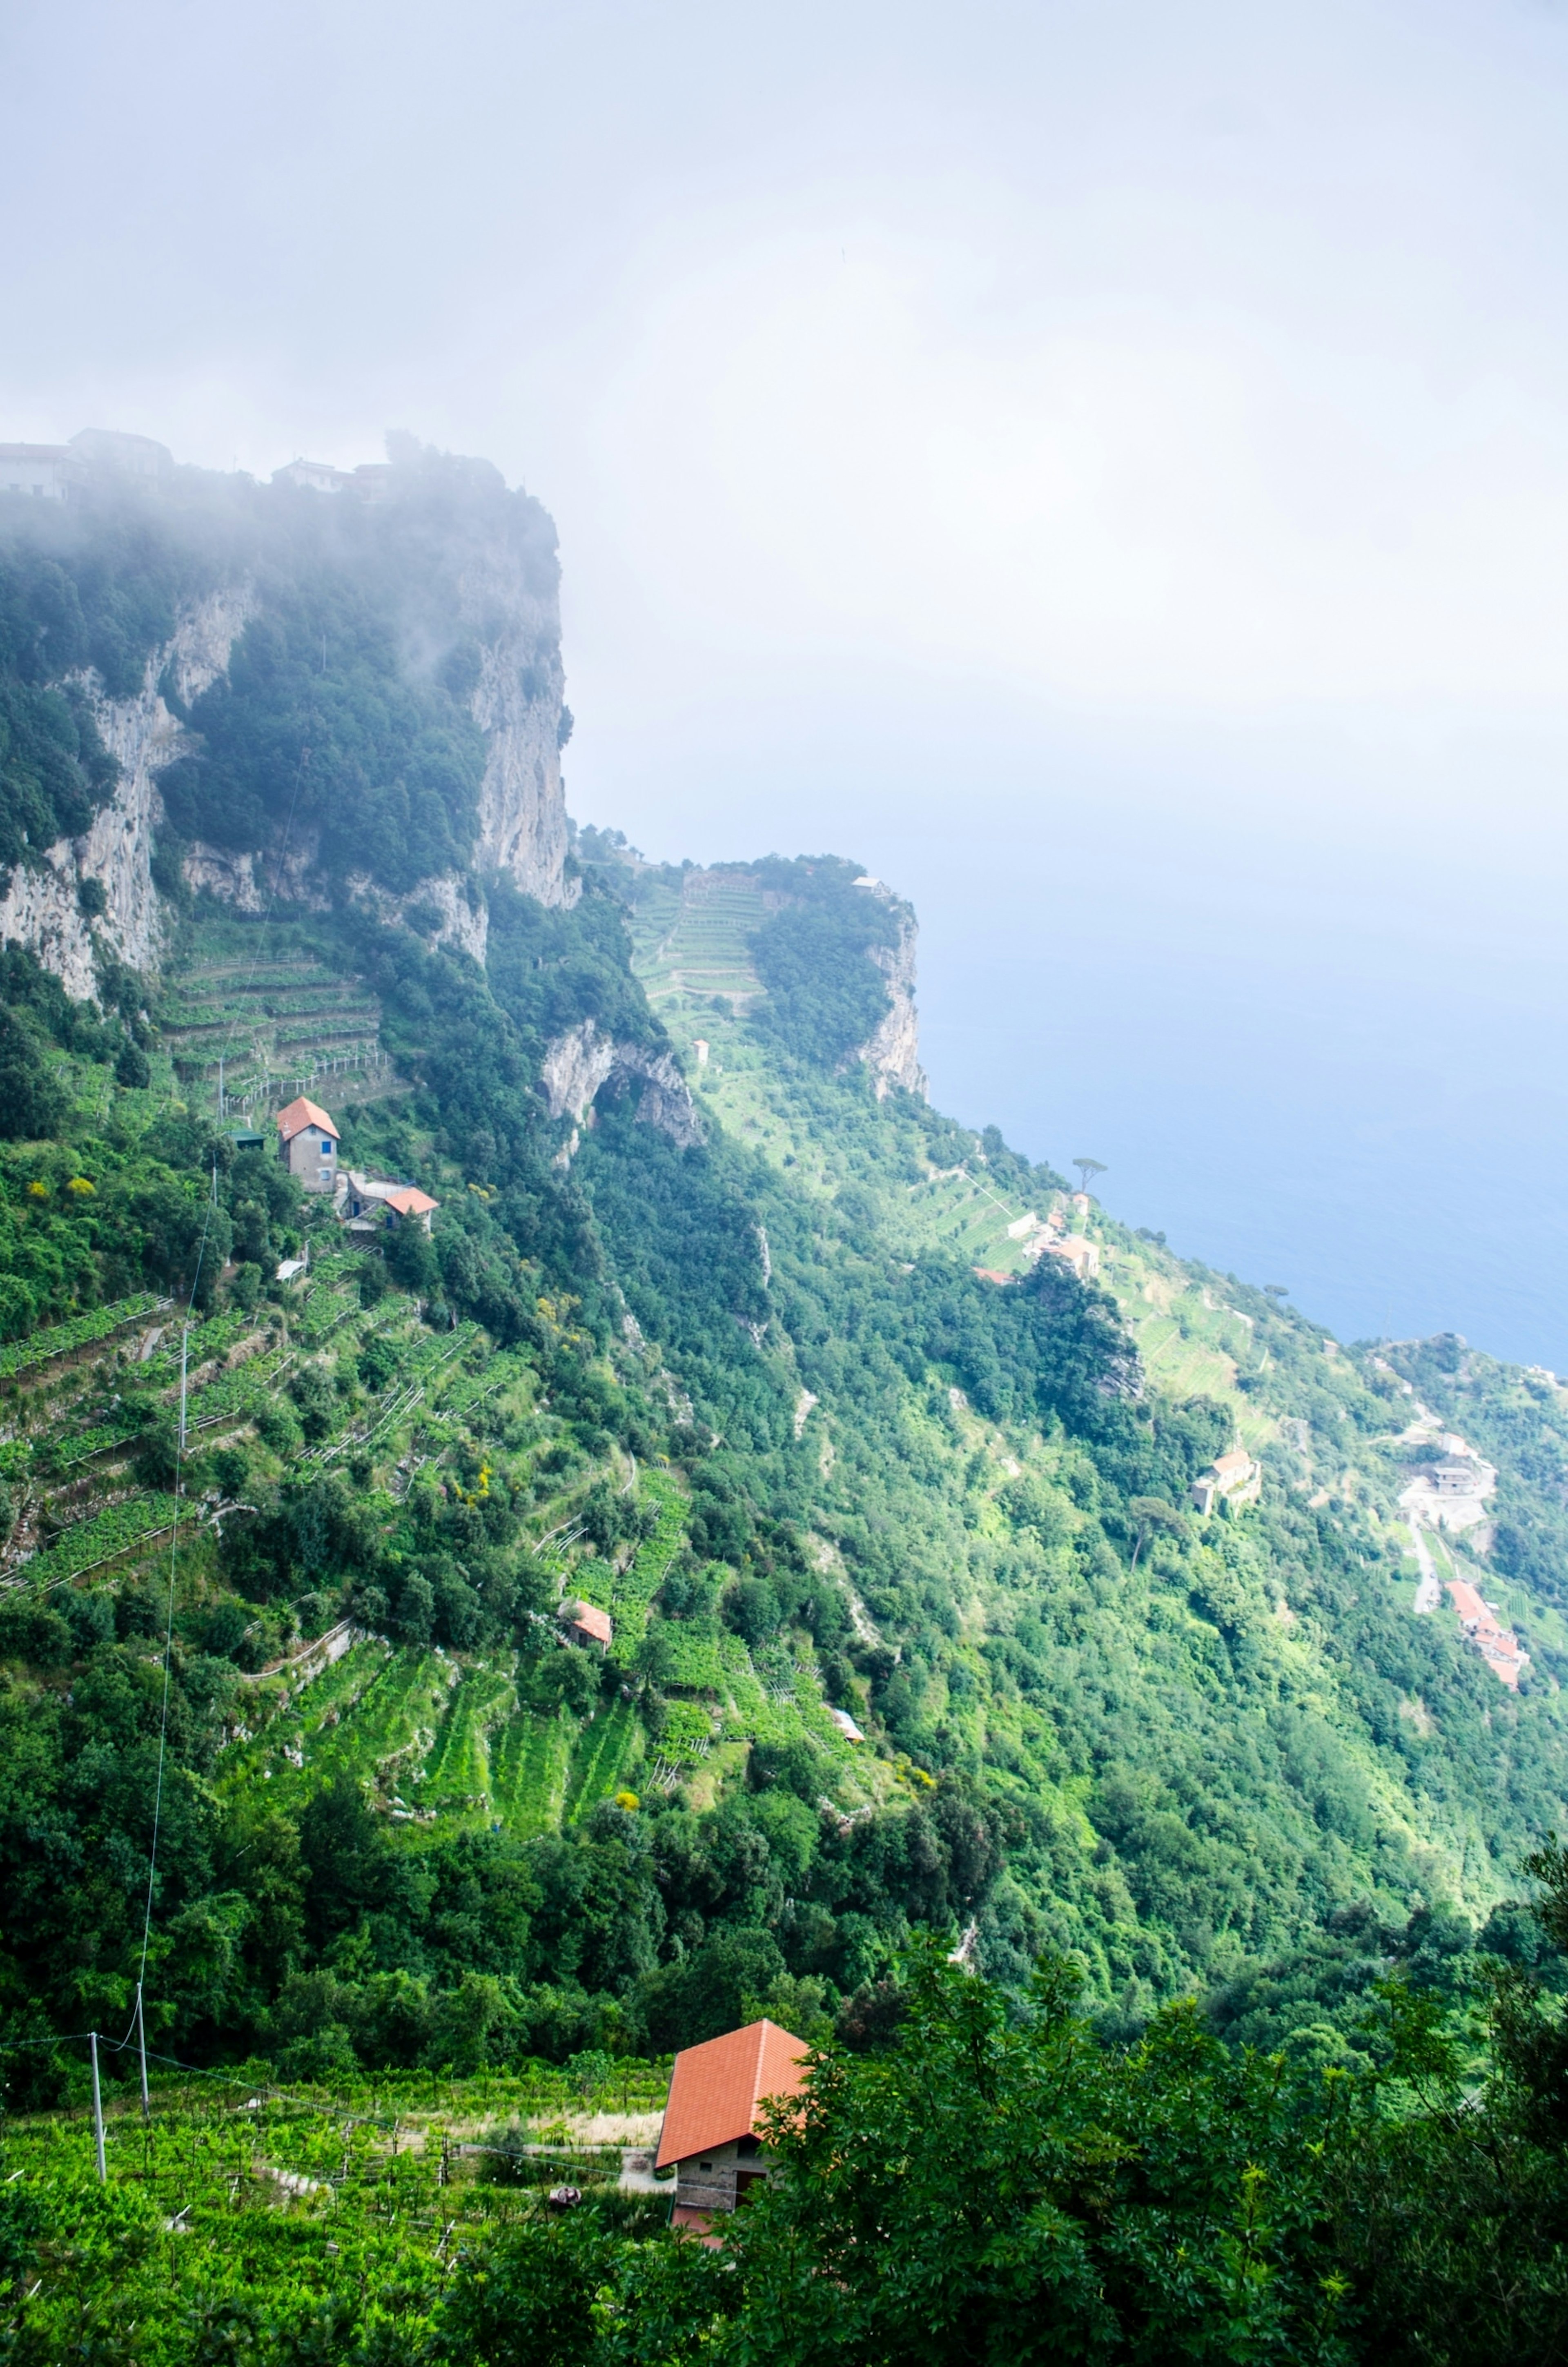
690, 1658
100, 1538
687, 1731
117, 1432
636, 1587
81, 1332
244, 1391
601, 1759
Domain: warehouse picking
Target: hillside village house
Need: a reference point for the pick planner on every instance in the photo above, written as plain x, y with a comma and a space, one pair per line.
368, 1204
1498, 1646
49, 472
307, 1144
587, 1625
714, 2116
1236, 1477
1076, 1250
369, 479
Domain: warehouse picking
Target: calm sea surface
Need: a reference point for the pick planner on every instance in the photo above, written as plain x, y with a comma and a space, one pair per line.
1303, 992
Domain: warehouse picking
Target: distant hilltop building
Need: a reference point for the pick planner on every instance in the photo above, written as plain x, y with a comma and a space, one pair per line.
1077, 1250
1234, 1479
369, 479
55, 472
129, 456
47, 471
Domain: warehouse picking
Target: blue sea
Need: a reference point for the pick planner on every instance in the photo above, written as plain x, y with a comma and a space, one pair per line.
1301, 986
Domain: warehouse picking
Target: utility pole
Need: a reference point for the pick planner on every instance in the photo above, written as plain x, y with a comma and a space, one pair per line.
184, 1352
98, 2113
220, 1089
142, 2035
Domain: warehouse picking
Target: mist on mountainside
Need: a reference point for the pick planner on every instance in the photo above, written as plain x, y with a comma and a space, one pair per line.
555, 1505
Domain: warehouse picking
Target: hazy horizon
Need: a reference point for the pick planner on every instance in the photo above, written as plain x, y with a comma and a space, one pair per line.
1108, 473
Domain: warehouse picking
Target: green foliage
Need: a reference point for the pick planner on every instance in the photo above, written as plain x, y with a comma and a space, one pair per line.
825, 997
317, 717
64, 607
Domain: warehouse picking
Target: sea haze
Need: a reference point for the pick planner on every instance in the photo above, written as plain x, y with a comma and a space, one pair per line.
1311, 1023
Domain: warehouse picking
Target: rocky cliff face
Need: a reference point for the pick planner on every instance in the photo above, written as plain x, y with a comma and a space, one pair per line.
41, 908
497, 579
522, 813
579, 1064
473, 571
893, 1051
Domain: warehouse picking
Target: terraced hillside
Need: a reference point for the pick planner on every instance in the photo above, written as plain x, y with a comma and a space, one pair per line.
690, 938
440, 1739
257, 1006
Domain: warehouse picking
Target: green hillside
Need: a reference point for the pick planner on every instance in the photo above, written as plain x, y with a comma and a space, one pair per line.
766, 1549
754, 1402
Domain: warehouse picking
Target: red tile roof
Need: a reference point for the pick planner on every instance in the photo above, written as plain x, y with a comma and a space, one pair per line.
717, 2089
593, 1623
302, 1113
409, 1201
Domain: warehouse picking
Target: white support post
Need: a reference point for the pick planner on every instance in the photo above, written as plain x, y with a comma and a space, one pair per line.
142, 2035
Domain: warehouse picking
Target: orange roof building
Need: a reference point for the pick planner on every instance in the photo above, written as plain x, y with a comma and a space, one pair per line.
307, 1144
366, 1201
410, 1201
1497, 1645
717, 2094
591, 1625
302, 1112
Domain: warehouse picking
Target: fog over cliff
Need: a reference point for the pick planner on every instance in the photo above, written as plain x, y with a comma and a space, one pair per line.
1010, 448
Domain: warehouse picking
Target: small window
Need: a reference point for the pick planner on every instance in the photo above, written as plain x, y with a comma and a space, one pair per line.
704, 2165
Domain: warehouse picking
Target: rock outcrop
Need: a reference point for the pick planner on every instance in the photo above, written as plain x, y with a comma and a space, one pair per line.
41, 908
456, 900
522, 806
579, 1064
251, 883
493, 573
892, 1051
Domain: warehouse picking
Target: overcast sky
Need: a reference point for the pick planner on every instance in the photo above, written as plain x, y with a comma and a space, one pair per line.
1104, 465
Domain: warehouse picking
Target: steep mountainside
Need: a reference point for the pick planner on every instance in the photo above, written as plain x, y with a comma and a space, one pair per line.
758, 1519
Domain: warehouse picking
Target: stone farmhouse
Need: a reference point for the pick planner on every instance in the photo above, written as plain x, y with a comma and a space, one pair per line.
585, 1623
307, 1144
1234, 1479
713, 2117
